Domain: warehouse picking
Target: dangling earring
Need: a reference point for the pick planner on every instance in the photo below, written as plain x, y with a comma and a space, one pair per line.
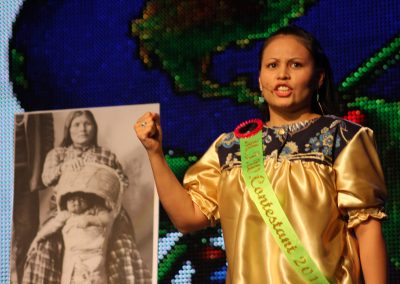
319, 104
261, 99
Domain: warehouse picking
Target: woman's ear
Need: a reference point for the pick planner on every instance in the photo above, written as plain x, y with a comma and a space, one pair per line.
259, 84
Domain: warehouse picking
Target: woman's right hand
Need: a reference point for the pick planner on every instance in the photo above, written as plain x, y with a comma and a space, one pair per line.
148, 131
184, 214
74, 164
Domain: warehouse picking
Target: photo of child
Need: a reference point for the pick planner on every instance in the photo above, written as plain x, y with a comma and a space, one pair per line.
85, 221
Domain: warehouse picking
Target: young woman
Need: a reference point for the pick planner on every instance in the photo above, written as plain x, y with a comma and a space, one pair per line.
324, 171
79, 146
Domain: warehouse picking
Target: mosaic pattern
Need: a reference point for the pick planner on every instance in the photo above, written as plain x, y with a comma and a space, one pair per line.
200, 62
165, 28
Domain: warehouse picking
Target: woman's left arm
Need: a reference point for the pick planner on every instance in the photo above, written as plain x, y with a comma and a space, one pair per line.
372, 251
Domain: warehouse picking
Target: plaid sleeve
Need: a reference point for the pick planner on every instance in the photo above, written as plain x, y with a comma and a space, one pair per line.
52, 167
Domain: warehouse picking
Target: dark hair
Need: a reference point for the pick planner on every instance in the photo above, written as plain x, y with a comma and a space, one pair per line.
327, 95
67, 141
91, 199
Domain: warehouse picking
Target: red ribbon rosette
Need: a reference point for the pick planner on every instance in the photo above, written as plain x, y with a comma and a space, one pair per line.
248, 128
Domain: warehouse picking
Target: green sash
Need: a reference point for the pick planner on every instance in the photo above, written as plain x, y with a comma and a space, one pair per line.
268, 205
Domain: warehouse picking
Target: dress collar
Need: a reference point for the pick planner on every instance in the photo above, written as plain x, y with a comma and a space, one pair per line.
295, 126
81, 149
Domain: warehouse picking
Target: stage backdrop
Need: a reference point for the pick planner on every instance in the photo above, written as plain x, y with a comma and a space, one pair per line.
199, 60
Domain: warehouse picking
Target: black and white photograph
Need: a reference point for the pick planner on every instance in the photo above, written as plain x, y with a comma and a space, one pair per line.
85, 208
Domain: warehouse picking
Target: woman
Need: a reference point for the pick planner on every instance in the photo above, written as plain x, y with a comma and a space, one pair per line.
78, 147
324, 171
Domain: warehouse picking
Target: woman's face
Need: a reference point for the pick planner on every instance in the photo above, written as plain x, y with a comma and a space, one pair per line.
76, 204
288, 77
82, 131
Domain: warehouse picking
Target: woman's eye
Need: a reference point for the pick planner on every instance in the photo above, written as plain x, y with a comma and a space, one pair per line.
271, 65
296, 65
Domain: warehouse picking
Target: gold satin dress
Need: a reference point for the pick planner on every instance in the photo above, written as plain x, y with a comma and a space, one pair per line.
328, 178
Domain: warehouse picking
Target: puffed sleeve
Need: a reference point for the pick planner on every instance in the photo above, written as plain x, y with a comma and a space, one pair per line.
359, 179
201, 181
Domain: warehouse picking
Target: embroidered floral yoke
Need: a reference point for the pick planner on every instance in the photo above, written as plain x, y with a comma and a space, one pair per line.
327, 176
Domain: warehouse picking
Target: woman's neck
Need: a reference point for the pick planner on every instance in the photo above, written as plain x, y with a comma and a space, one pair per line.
81, 147
285, 119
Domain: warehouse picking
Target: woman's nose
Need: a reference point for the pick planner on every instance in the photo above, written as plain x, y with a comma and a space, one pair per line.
82, 127
283, 73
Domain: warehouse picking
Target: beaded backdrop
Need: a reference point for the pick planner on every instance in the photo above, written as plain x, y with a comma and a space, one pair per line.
199, 60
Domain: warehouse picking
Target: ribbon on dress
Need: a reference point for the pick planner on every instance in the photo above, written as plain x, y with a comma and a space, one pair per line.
262, 194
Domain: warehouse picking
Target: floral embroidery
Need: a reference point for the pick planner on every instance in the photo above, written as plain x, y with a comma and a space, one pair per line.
232, 159
274, 154
279, 132
229, 140
313, 145
322, 142
319, 140
266, 137
290, 148
337, 144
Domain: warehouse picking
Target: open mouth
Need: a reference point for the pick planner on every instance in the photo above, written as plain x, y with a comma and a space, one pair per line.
282, 91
